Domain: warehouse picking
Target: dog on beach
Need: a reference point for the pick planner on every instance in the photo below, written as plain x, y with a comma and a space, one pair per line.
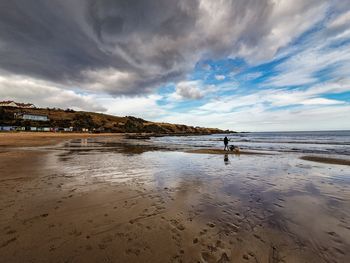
234, 149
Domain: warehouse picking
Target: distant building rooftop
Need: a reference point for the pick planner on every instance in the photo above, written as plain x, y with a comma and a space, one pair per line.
11, 103
31, 116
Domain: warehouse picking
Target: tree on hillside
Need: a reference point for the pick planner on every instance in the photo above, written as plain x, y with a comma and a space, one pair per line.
5, 117
83, 120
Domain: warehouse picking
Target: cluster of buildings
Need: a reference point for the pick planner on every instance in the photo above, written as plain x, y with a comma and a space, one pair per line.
34, 118
38, 118
31, 117
38, 129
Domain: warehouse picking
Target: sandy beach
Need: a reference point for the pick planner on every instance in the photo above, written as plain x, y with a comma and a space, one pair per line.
96, 198
20, 139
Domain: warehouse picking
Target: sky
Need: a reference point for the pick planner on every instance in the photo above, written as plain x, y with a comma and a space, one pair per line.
244, 65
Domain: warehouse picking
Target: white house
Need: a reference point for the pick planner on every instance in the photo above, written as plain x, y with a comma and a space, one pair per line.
7, 128
11, 103
8, 104
31, 117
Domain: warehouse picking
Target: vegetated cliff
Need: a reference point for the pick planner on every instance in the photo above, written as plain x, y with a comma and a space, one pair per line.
97, 122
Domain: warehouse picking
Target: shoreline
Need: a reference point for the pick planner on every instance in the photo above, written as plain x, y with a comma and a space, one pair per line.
37, 139
23, 138
220, 151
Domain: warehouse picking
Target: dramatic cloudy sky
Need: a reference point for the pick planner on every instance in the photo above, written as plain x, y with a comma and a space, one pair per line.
248, 65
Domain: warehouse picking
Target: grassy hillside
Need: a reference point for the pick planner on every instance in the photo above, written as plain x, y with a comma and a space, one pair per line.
97, 121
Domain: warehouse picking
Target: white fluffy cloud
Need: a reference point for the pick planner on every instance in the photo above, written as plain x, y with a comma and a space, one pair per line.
257, 118
145, 107
220, 77
279, 97
340, 21
257, 111
188, 90
287, 20
44, 94
301, 68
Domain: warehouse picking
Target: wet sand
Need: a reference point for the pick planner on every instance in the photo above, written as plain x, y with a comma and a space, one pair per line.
329, 160
95, 200
21, 139
221, 152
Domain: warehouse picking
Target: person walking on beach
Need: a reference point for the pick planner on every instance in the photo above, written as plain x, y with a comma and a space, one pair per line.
226, 143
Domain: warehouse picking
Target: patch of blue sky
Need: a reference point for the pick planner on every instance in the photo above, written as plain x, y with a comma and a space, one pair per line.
186, 105
307, 36
339, 43
344, 96
166, 89
325, 74
227, 88
300, 44
249, 77
242, 108
209, 70
162, 102
80, 91
236, 73
267, 69
284, 107
252, 78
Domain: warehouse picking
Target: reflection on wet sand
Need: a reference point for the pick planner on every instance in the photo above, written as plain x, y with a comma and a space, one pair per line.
226, 160
101, 200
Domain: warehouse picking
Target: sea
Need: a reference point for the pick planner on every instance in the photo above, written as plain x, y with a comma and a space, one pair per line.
318, 142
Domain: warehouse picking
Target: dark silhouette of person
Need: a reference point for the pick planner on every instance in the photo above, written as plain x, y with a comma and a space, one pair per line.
226, 143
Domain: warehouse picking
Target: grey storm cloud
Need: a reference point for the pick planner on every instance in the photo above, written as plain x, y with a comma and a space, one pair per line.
132, 46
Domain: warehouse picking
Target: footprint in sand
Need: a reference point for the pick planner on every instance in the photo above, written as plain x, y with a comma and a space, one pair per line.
203, 232
52, 248
274, 256
212, 248
11, 232
210, 224
88, 247
259, 238
6, 243
281, 206
219, 244
335, 237
338, 250
207, 257
102, 246
177, 224
224, 258
134, 251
